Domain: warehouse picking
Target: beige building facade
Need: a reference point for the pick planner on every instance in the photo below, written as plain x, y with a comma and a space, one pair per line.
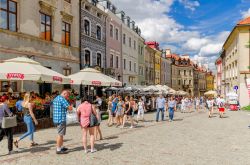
236, 61
43, 30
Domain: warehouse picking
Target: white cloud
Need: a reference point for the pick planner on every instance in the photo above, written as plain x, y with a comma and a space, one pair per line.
195, 44
190, 4
245, 14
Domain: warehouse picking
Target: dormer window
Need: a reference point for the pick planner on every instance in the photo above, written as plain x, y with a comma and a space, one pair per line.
133, 25
113, 9
99, 15
94, 2
108, 5
123, 16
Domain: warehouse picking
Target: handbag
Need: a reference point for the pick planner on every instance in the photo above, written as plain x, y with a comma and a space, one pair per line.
93, 120
9, 121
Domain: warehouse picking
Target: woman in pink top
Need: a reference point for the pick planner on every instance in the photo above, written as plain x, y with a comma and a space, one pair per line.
84, 111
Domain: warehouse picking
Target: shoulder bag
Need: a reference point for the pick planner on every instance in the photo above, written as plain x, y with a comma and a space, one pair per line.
9, 121
92, 119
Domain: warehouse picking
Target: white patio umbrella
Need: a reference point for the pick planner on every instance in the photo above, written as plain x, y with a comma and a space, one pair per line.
90, 76
22, 68
210, 93
181, 93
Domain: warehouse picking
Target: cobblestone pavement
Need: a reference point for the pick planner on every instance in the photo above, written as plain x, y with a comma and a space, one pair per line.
192, 138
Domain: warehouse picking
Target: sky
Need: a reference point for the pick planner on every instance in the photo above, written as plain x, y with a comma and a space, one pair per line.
195, 27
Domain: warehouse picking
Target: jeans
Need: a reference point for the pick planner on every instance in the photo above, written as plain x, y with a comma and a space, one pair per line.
171, 113
162, 114
30, 126
7, 132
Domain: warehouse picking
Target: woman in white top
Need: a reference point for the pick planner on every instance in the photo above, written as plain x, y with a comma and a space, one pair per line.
210, 104
183, 105
141, 108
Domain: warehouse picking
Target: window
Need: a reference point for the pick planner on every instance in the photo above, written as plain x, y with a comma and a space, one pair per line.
129, 41
124, 38
179, 82
124, 64
98, 32
65, 33
99, 59
45, 27
190, 82
142, 50
135, 69
66, 71
117, 34
8, 15
111, 60
128, 22
184, 72
69, 1
87, 57
184, 82
190, 73
130, 65
87, 27
135, 45
111, 31
117, 62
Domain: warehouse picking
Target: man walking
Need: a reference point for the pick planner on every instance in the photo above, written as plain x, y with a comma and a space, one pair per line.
160, 105
60, 107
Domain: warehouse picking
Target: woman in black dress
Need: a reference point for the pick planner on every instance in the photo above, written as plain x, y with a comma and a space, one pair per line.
128, 113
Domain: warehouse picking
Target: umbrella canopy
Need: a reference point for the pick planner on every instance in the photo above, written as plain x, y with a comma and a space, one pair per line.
232, 94
90, 76
22, 68
210, 93
181, 93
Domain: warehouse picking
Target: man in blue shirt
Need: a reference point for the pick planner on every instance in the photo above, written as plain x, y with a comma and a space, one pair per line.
171, 108
160, 105
60, 107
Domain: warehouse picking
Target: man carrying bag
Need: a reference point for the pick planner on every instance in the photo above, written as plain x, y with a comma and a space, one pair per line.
6, 123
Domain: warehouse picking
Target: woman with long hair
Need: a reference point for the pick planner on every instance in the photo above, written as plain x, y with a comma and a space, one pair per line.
119, 112
84, 112
128, 113
28, 118
110, 119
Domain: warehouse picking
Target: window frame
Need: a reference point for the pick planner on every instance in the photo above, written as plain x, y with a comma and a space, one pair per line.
124, 39
111, 63
85, 57
45, 24
65, 33
97, 54
8, 12
111, 34
89, 30
97, 37
117, 61
124, 63
117, 34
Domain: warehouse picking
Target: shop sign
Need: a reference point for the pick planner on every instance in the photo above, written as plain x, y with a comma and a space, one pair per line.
15, 76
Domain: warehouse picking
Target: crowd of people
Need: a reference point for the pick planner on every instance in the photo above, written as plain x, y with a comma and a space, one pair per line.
122, 111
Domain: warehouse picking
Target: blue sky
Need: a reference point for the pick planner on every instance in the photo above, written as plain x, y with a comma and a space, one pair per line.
195, 27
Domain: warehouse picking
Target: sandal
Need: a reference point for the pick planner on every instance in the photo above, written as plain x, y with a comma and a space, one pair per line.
16, 143
33, 144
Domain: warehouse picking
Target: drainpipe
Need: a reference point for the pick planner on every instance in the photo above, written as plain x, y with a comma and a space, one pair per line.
80, 42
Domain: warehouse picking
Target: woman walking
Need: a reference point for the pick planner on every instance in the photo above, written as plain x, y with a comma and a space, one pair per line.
128, 113
141, 109
4, 100
171, 108
221, 106
28, 118
84, 112
210, 103
119, 112
110, 119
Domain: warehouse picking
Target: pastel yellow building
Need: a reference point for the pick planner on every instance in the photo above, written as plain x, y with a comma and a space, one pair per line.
158, 67
209, 81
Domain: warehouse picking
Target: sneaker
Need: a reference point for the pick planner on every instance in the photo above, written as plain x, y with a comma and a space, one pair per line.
86, 151
61, 152
131, 127
94, 150
64, 149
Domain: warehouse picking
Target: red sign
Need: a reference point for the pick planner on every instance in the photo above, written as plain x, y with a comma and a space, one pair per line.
71, 81
117, 84
15, 75
96, 83
56, 78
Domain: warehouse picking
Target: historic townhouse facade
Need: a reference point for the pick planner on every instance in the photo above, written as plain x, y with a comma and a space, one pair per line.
218, 64
149, 55
141, 61
165, 70
113, 41
157, 61
209, 81
182, 73
93, 35
43, 31
236, 61
130, 35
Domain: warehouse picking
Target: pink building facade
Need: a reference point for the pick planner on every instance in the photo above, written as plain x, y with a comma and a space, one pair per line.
219, 77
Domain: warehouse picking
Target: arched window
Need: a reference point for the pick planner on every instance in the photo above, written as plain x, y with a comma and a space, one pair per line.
87, 58
87, 27
98, 32
99, 59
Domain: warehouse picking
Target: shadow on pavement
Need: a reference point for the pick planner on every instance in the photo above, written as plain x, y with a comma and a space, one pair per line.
110, 138
177, 119
100, 147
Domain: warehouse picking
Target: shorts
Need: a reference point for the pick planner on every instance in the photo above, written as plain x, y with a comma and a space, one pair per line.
61, 128
221, 109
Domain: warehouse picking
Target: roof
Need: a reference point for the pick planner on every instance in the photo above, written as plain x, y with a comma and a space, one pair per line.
244, 21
